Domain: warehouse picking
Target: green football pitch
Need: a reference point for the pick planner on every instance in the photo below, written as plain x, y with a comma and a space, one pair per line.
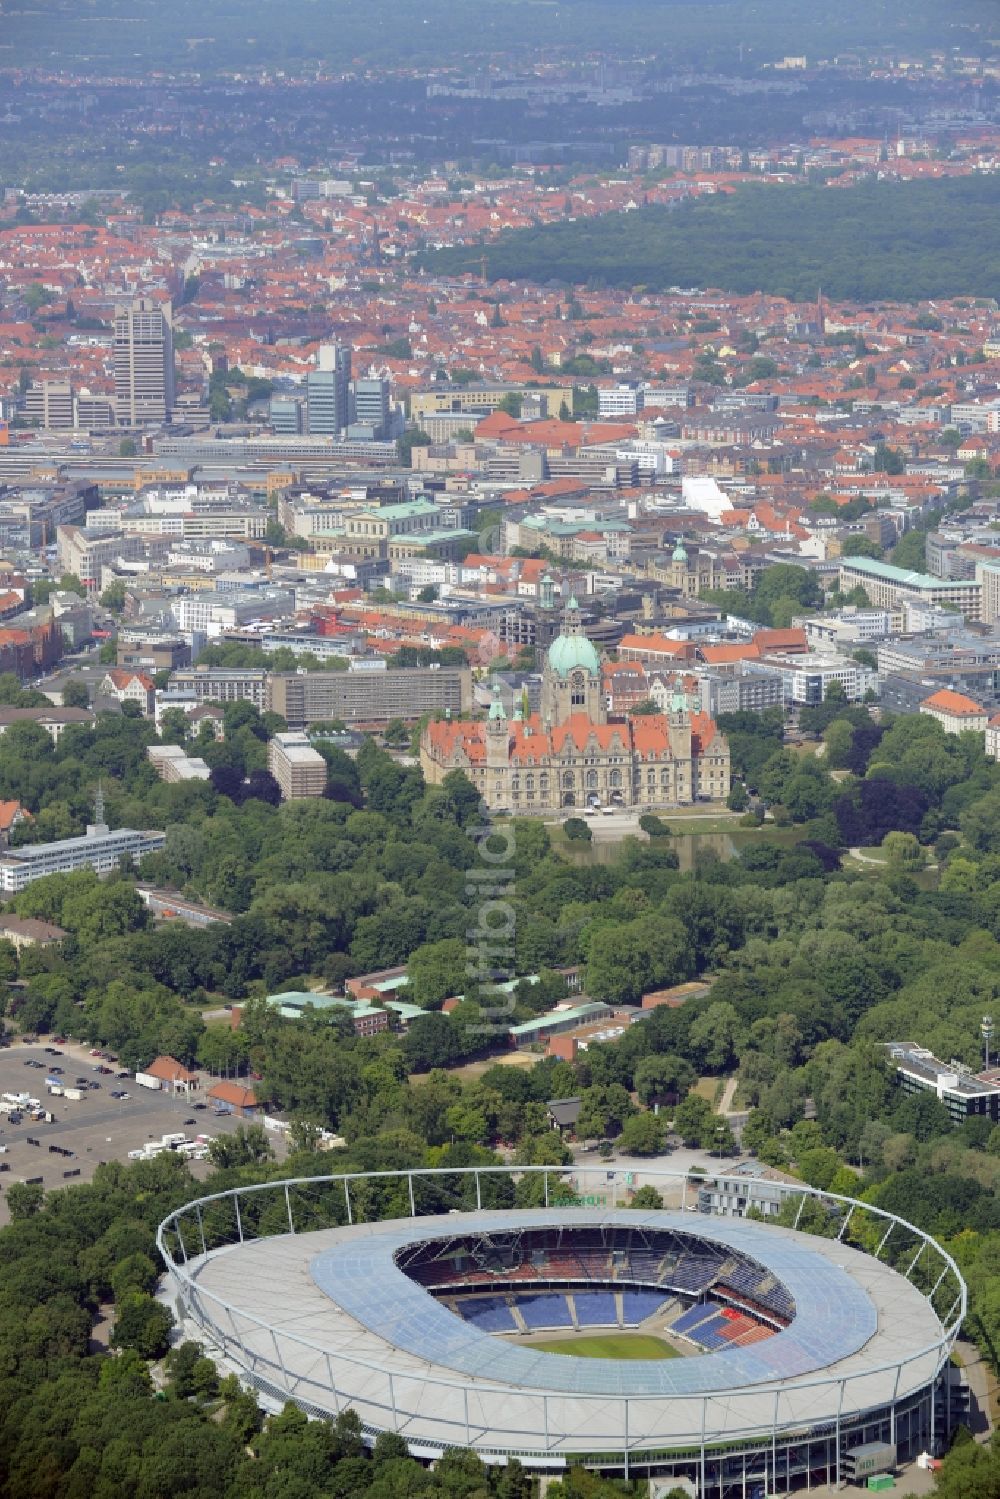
609, 1345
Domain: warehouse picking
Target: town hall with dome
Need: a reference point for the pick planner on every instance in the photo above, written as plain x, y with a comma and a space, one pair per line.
571, 754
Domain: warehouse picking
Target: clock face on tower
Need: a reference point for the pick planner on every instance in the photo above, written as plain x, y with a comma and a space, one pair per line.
577, 680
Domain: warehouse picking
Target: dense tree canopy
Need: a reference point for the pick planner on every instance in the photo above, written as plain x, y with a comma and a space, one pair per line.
874, 240
814, 961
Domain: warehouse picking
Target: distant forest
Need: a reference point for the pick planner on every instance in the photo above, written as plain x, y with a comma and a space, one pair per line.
879, 241
132, 36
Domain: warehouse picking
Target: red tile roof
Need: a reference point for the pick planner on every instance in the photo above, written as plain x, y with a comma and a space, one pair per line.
122, 678
955, 703
235, 1094
719, 655
656, 645
169, 1070
646, 735
781, 640
10, 813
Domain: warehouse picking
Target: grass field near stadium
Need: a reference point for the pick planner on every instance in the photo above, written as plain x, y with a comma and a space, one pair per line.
609, 1345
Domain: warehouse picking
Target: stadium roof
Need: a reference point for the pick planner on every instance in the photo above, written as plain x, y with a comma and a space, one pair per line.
281, 1310
834, 1317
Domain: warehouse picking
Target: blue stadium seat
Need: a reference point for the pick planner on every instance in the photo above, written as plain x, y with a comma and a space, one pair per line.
595, 1309
638, 1305
694, 1272
643, 1264
745, 1278
709, 1334
689, 1321
488, 1313
547, 1309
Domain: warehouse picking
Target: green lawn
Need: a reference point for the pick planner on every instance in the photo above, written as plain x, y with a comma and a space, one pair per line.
707, 1088
609, 1345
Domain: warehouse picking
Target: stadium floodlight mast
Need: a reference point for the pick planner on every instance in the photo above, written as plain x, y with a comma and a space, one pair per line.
986, 1031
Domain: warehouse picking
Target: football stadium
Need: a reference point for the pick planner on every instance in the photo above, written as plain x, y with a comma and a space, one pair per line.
742, 1356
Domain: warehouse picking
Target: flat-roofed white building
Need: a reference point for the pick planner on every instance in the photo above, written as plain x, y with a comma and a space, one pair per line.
172, 764
100, 849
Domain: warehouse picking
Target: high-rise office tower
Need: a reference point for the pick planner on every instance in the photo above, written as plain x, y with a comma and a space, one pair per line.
49, 403
371, 409
286, 416
143, 363
327, 392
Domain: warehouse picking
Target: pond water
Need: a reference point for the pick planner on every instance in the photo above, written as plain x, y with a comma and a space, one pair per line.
688, 847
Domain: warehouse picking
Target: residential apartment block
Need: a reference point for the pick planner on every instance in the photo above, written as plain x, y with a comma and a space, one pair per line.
84, 553
369, 695
211, 684
173, 765
298, 769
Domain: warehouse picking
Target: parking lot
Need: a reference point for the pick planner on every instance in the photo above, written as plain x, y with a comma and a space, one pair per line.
94, 1128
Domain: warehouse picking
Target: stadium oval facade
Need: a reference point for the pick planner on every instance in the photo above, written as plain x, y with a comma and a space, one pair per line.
420, 1299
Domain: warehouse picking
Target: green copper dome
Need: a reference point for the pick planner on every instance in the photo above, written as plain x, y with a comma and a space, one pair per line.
571, 652
680, 554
